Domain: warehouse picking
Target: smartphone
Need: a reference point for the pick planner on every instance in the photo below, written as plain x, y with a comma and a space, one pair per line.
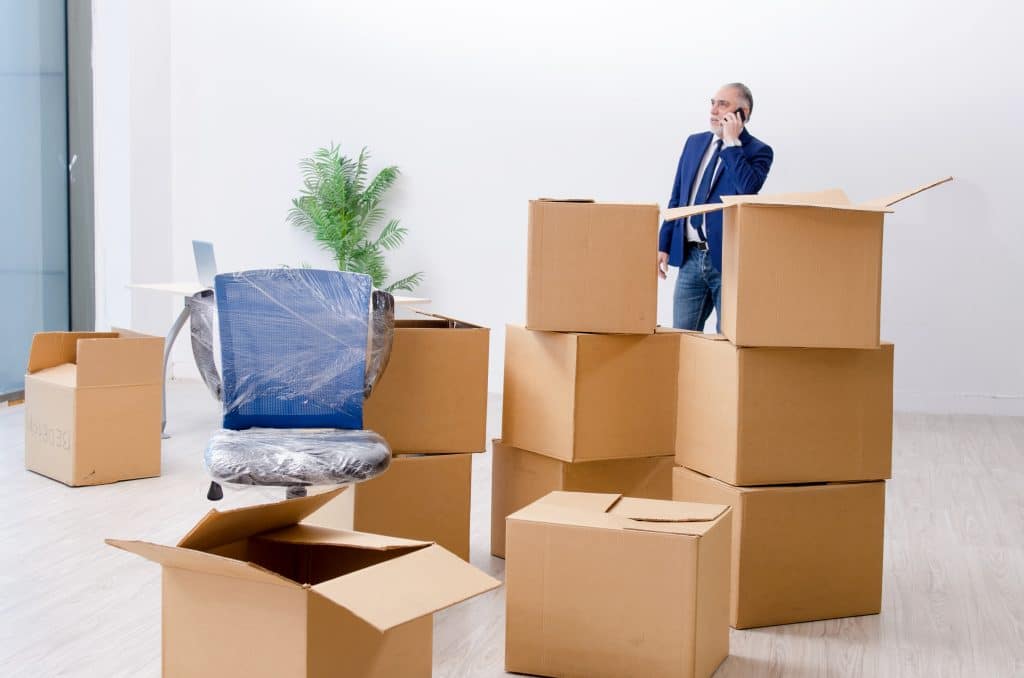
741, 115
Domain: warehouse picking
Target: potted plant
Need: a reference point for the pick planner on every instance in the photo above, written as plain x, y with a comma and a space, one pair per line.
341, 208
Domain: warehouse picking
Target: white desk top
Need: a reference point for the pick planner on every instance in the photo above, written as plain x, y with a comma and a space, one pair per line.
187, 289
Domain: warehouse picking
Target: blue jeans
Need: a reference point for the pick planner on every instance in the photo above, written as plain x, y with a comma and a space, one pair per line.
698, 290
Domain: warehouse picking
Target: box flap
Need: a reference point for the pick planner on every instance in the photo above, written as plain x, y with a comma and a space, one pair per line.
682, 212
128, 360
198, 561
597, 502
125, 333
325, 536
50, 349
830, 196
581, 509
223, 527
65, 374
833, 198
891, 200
406, 588
448, 318
566, 200
664, 511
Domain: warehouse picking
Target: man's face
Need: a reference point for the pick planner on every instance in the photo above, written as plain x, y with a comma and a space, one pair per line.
724, 101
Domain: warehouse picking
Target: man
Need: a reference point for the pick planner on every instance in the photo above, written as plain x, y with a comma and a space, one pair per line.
728, 160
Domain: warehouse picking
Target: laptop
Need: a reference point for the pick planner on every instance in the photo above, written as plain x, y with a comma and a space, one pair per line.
206, 265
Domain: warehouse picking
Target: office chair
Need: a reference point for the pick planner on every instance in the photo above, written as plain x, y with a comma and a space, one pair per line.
301, 349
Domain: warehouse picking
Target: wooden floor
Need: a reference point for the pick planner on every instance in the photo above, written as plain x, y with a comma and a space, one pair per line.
953, 600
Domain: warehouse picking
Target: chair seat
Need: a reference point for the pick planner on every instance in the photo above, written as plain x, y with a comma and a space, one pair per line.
290, 457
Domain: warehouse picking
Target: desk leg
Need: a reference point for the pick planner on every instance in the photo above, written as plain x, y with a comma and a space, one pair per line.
168, 345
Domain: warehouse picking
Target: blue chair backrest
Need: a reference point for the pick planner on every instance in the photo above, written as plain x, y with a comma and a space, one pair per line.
293, 347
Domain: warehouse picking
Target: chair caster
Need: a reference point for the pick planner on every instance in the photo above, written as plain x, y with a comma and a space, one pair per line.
295, 491
215, 493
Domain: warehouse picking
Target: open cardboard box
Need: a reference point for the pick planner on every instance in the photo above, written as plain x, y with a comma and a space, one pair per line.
432, 398
250, 592
92, 406
783, 415
801, 269
605, 585
519, 478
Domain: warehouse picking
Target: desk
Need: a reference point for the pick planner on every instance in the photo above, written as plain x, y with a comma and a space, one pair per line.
186, 290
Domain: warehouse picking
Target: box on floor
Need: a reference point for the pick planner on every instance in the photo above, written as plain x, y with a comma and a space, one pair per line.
425, 497
251, 592
519, 478
603, 585
93, 406
588, 267
783, 415
433, 395
801, 269
799, 552
581, 397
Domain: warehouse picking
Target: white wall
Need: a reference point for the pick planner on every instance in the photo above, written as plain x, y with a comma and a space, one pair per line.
484, 108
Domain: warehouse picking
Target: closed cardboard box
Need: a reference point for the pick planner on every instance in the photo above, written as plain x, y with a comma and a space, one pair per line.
250, 592
92, 406
424, 497
603, 585
767, 416
584, 397
799, 552
519, 478
588, 267
432, 398
801, 269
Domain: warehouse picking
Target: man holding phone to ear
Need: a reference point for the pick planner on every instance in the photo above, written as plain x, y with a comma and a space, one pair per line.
727, 160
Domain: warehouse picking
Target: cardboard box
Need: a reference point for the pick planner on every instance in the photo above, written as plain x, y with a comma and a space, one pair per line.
425, 497
249, 592
588, 267
580, 397
799, 552
92, 406
801, 269
433, 394
519, 478
769, 416
601, 585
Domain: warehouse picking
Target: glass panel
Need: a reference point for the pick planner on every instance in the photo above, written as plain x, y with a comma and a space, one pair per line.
33, 180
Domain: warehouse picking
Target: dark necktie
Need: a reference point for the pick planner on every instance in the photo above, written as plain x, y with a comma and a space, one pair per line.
704, 191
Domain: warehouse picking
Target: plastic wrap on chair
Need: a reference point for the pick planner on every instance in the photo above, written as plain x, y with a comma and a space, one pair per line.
381, 340
201, 321
294, 345
290, 457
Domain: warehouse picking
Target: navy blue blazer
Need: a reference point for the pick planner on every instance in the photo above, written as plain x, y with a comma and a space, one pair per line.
742, 172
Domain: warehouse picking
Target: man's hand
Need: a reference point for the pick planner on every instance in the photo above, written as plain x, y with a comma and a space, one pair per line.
662, 265
731, 127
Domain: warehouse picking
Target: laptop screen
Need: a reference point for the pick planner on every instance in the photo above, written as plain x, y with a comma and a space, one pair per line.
206, 265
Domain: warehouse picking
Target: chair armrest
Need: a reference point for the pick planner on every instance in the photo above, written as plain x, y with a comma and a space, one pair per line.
382, 334
201, 307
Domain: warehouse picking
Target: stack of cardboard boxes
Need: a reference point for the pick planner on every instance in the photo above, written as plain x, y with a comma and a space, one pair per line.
788, 418
431, 407
589, 387
599, 583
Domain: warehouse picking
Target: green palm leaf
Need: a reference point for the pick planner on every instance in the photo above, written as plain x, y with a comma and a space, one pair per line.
343, 212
